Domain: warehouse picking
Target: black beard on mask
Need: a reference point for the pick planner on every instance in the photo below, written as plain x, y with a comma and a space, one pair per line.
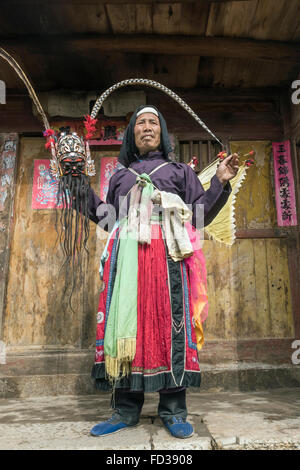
72, 226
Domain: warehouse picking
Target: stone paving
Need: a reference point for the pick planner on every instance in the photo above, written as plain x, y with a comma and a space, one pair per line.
268, 419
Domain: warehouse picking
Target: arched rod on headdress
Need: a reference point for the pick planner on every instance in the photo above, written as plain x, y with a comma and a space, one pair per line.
14, 64
143, 81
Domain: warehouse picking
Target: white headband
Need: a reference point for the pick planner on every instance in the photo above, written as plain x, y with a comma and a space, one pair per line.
147, 109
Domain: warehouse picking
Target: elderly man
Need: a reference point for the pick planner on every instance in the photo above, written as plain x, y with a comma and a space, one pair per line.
146, 339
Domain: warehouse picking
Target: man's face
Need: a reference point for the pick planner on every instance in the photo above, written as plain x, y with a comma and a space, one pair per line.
147, 132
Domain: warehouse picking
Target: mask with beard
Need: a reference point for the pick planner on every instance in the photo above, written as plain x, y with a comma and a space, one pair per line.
72, 224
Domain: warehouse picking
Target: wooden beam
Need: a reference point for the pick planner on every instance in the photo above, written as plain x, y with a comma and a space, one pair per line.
265, 233
240, 48
205, 95
108, 2
246, 125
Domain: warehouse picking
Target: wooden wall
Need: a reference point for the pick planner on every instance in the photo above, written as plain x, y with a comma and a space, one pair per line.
249, 283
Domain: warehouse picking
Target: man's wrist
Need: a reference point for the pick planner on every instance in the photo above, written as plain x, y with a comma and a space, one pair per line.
222, 181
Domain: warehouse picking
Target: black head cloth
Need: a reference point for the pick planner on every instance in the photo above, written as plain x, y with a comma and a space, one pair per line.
129, 151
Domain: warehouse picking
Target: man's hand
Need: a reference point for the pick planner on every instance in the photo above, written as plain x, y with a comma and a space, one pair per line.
228, 168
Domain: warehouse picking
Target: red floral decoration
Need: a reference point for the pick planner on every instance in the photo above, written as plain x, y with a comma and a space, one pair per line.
90, 125
251, 153
249, 162
49, 142
50, 136
222, 155
193, 163
48, 133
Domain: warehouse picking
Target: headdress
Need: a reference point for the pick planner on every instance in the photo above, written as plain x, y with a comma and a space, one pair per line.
69, 145
147, 109
129, 151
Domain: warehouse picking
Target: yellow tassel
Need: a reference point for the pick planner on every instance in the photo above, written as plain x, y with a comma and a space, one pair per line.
121, 364
112, 366
126, 348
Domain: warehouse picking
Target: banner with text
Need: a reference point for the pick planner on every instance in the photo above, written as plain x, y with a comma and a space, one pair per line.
284, 184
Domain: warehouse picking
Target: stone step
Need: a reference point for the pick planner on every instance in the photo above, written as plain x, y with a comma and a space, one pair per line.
221, 377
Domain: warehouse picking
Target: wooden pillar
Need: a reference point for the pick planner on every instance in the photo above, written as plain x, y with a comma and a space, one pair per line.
294, 249
8, 158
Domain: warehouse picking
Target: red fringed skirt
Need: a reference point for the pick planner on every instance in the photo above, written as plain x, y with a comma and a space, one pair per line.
166, 351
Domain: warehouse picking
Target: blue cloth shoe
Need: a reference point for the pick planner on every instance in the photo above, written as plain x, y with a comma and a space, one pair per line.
178, 427
112, 425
